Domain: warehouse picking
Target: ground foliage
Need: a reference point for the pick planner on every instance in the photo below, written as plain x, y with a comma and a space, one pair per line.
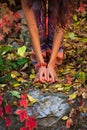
17, 74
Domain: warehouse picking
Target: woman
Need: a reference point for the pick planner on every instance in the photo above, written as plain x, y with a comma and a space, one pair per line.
50, 44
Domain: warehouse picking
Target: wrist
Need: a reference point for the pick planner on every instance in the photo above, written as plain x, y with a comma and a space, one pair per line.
51, 64
40, 64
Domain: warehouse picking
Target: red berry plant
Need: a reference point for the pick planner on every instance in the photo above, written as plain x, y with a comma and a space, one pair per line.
14, 113
9, 22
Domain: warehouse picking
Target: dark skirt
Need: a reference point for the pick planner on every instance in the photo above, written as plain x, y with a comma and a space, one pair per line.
45, 22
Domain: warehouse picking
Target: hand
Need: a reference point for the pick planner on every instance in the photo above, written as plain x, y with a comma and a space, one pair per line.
51, 74
41, 75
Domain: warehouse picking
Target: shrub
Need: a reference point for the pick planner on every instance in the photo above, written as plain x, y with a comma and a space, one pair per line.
9, 22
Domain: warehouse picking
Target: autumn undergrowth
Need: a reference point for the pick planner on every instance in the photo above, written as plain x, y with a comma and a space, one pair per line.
17, 73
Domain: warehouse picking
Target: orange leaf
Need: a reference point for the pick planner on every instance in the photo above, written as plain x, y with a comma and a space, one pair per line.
69, 123
69, 79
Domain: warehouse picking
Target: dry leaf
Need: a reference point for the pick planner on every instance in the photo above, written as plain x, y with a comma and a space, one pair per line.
69, 123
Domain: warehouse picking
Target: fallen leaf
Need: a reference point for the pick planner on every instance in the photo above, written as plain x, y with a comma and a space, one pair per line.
15, 74
32, 76
31, 99
15, 93
65, 118
69, 123
16, 85
74, 95
84, 95
22, 50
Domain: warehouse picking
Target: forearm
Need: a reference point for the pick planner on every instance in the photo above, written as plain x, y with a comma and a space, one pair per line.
32, 25
58, 35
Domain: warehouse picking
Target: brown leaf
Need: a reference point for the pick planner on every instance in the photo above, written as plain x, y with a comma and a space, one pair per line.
72, 113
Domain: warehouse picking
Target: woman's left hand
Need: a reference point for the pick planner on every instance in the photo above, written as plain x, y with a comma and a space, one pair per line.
51, 74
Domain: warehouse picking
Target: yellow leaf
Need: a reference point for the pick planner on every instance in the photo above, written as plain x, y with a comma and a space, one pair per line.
11, 56
16, 85
15, 103
21, 80
60, 89
32, 76
32, 100
73, 71
58, 86
65, 118
74, 95
3, 85
14, 74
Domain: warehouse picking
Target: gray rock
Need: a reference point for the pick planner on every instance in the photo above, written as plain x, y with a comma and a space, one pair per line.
21, 13
15, 44
49, 110
2, 125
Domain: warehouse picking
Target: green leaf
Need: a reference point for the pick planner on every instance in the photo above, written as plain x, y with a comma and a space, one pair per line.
67, 87
5, 78
6, 49
84, 39
21, 61
2, 79
71, 35
1, 61
8, 77
15, 93
82, 76
21, 51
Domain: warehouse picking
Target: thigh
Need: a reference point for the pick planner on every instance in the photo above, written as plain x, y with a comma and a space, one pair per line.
39, 7
51, 23
51, 8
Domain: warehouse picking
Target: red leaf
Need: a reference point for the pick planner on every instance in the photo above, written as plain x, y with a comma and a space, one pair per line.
6, 30
69, 123
1, 100
1, 37
1, 112
8, 109
82, 8
24, 103
23, 115
8, 122
23, 128
17, 27
24, 96
18, 112
17, 16
2, 23
31, 124
6, 17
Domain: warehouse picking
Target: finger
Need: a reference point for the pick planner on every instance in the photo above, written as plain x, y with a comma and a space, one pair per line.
57, 80
42, 78
51, 79
36, 80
